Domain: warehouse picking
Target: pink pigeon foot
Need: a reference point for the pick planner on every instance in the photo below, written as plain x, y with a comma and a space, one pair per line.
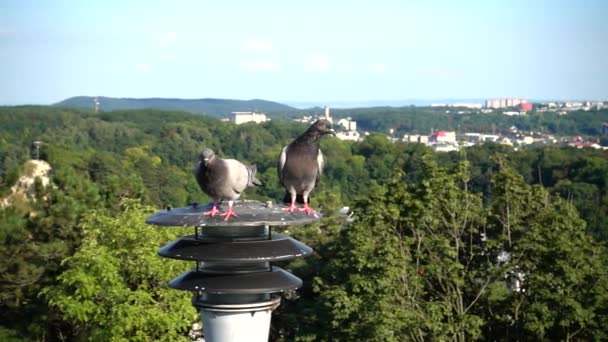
307, 209
291, 208
213, 211
229, 213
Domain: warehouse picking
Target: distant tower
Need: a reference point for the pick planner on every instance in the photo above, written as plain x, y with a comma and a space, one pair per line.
37, 144
327, 117
96, 104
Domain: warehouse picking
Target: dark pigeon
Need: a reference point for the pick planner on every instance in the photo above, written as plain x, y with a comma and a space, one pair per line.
223, 179
300, 165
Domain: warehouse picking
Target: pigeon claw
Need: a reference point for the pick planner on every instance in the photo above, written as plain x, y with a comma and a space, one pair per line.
307, 209
291, 208
212, 212
228, 214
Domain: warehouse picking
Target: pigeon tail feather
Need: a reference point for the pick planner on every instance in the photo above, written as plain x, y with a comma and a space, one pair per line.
252, 169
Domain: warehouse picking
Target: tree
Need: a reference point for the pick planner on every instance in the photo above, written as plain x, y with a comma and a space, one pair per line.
114, 287
35, 242
402, 269
563, 283
429, 261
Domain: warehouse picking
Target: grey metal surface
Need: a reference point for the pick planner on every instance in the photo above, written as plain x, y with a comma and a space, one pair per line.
269, 304
273, 281
232, 233
279, 248
250, 213
236, 287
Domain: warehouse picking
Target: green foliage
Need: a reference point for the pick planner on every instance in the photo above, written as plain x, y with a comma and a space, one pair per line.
35, 243
114, 287
419, 262
399, 271
564, 293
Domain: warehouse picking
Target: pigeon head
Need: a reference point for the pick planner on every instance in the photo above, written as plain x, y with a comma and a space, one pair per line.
206, 156
323, 127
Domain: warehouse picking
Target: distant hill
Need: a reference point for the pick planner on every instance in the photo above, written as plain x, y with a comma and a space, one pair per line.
211, 107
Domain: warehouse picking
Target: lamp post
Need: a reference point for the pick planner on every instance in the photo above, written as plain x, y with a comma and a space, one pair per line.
235, 285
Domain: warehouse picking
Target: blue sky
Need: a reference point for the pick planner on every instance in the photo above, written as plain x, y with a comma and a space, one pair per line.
303, 51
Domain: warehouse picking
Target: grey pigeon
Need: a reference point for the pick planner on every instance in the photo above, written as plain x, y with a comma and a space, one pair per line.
300, 165
223, 179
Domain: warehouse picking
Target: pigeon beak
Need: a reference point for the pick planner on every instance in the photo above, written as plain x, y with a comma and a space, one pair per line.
332, 132
205, 161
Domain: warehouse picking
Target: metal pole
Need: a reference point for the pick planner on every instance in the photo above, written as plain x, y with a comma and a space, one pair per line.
236, 287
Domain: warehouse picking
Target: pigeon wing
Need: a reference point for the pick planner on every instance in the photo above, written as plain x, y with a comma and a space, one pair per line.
197, 173
238, 175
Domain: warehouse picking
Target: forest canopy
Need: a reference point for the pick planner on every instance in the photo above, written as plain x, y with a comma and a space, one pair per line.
420, 261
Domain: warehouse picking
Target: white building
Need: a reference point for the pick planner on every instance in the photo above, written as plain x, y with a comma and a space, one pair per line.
505, 141
350, 135
445, 146
472, 138
525, 140
415, 138
472, 105
489, 137
348, 124
443, 136
243, 117
503, 103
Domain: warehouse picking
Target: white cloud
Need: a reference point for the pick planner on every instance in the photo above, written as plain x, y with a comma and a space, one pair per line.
377, 68
259, 65
257, 45
143, 67
317, 63
167, 39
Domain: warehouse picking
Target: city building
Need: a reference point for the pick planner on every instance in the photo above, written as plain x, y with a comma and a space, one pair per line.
348, 124
243, 117
349, 135
505, 141
472, 137
490, 137
504, 102
472, 105
415, 138
445, 146
443, 136
525, 107
525, 140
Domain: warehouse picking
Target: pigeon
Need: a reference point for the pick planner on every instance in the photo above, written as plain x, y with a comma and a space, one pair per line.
223, 179
300, 165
